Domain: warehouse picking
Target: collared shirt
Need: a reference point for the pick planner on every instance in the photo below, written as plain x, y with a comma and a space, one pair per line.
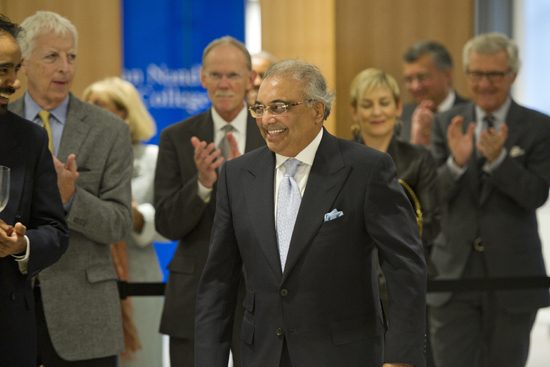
499, 115
58, 116
448, 102
301, 176
239, 132
239, 126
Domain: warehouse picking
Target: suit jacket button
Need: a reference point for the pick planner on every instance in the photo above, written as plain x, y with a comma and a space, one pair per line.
279, 332
284, 292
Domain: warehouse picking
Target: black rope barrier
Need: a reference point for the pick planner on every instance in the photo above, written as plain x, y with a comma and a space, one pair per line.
456, 285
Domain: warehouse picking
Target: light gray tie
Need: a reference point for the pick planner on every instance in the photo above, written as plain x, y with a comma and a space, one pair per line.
224, 144
288, 204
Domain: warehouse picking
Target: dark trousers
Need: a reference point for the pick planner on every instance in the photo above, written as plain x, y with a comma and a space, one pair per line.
473, 330
47, 355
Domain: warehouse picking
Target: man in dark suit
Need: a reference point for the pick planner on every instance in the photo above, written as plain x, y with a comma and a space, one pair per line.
186, 182
428, 70
78, 307
494, 172
304, 215
33, 231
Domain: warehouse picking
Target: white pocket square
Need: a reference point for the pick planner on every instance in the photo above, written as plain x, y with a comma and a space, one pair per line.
333, 215
516, 151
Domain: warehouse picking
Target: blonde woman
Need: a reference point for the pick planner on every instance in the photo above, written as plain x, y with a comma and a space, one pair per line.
122, 99
376, 108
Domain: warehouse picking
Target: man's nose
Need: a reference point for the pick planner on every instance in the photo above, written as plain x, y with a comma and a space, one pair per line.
16, 84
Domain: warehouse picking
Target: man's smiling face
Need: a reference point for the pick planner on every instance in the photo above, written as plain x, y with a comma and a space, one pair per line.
289, 133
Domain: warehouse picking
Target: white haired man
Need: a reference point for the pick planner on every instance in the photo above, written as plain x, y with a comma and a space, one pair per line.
77, 302
494, 172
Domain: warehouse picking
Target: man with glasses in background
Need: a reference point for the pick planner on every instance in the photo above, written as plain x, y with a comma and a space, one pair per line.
494, 172
428, 70
190, 155
304, 215
260, 63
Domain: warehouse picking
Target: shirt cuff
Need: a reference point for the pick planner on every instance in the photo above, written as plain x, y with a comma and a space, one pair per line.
455, 169
490, 167
204, 192
23, 260
67, 206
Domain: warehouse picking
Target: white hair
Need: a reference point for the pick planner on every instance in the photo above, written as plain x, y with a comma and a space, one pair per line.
44, 22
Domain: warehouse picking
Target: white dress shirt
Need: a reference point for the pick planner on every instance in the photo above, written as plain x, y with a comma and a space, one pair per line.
306, 156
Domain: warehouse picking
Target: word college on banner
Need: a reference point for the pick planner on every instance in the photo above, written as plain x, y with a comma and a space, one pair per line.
163, 44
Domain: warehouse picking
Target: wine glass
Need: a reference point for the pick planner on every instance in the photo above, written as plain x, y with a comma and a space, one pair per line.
4, 186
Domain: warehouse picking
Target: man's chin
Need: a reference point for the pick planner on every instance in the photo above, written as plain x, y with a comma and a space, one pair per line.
3, 108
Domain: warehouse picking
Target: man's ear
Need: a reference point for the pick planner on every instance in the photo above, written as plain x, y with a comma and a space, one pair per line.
250, 80
319, 109
23, 68
203, 78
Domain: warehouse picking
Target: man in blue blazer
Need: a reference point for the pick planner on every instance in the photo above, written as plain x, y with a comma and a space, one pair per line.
33, 231
307, 241
494, 172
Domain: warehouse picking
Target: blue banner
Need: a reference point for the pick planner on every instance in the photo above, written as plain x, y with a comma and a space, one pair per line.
163, 41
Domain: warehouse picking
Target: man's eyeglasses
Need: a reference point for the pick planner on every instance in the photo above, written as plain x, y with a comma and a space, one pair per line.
279, 108
492, 76
219, 76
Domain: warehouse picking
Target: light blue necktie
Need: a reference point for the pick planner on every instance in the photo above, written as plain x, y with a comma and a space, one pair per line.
288, 204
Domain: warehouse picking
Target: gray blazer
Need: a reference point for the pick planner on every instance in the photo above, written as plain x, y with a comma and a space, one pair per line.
502, 214
79, 292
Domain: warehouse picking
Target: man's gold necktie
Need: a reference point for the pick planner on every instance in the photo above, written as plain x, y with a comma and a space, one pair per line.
45, 116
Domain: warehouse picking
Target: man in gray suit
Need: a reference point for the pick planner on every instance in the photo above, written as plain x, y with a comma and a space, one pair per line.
186, 182
77, 303
428, 70
494, 172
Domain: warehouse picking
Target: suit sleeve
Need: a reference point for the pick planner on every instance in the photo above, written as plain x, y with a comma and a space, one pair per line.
178, 206
47, 230
391, 223
218, 287
107, 217
527, 184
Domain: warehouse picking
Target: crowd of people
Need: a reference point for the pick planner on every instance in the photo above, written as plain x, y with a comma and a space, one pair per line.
295, 247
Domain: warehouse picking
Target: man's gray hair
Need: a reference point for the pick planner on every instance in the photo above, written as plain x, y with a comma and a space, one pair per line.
224, 41
315, 86
491, 43
44, 22
440, 56
266, 55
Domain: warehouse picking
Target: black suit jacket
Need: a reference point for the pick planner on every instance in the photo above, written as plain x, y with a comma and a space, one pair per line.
404, 131
325, 303
182, 215
35, 202
503, 214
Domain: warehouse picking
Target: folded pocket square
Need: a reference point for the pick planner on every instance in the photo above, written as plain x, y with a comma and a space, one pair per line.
333, 215
516, 151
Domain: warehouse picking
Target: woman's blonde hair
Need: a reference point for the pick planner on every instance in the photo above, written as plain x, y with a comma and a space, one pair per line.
370, 79
126, 98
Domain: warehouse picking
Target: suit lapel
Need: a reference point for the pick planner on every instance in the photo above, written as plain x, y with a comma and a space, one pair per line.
74, 131
258, 183
12, 155
325, 181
